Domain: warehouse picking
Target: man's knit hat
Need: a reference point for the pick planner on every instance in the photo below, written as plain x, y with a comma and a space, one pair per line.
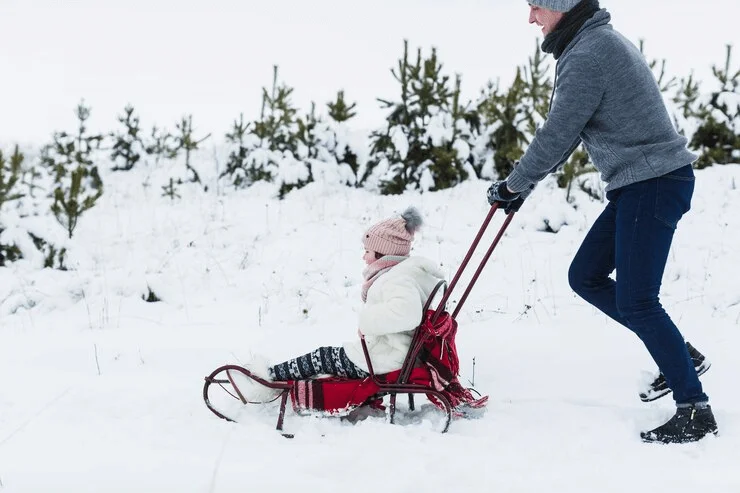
556, 5
393, 236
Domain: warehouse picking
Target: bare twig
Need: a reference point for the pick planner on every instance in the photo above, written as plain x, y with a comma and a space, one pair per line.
472, 381
218, 461
87, 307
97, 363
22, 426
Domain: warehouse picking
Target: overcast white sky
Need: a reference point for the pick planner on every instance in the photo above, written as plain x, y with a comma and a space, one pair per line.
210, 58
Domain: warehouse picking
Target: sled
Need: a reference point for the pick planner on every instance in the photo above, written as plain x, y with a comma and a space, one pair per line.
430, 367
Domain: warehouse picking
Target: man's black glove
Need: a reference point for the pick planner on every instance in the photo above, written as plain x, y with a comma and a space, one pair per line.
499, 192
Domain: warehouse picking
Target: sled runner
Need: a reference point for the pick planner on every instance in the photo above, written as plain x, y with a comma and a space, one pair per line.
431, 367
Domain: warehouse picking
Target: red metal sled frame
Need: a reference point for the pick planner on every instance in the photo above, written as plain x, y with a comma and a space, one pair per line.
401, 385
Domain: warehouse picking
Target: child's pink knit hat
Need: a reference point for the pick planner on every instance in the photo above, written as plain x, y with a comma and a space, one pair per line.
393, 236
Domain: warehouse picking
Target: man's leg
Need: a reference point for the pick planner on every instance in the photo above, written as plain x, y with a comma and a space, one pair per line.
647, 214
593, 264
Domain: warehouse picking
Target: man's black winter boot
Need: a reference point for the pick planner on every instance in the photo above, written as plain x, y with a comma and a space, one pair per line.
659, 387
690, 424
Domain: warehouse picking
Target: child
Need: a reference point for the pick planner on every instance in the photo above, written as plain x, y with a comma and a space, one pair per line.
394, 292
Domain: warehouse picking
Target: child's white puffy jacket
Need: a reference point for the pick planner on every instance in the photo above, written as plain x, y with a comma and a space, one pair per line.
391, 313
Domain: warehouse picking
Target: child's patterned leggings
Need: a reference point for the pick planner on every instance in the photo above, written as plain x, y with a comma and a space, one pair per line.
322, 361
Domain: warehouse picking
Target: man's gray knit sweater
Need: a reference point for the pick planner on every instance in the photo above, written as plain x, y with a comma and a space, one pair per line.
607, 97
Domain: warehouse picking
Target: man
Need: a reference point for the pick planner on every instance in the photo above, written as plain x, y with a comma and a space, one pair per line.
606, 96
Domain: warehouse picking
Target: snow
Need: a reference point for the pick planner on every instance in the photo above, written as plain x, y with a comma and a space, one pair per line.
400, 141
101, 391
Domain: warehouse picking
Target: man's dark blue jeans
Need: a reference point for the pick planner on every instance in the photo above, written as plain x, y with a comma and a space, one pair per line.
633, 235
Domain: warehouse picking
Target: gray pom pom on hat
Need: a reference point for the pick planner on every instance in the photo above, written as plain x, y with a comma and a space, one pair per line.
413, 219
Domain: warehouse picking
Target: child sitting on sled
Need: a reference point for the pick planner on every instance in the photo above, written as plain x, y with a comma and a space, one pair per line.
394, 291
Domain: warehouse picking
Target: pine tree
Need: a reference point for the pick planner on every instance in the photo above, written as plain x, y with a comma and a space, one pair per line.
268, 146
69, 161
185, 141
507, 118
170, 190
339, 110
160, 145
578, 164
277, 125
511, 117
426, 142
128, 146
664, 83
13, 177
326, 148
11, 173
71, 202
339, 114
54, 257
538, 89
277, 131
308, 146
687, 101
718, 137
237, 162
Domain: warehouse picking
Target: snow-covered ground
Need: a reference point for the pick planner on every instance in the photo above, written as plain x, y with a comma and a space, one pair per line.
101, 391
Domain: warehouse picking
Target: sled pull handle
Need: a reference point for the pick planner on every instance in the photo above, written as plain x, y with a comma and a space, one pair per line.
483, 263
469, 255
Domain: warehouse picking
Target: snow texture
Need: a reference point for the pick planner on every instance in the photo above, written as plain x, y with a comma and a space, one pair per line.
101, 390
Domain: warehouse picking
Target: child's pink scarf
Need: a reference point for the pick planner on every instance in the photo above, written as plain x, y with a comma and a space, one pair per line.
377, 269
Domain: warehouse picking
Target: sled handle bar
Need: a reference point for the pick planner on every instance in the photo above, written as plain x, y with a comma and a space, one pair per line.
469, 255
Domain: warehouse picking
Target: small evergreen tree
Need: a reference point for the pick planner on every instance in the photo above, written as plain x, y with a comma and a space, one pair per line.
237, 162
128, 146
578, 164
339, 114
537, 89
185, 141
76, 182
309, 145
71, 202
170, 190
277, 124
269, 144
160, 145
326, 148
718, 136
13, 176
339, 110
507, 118
426, 142
512, 116
687, 101
665, 84
9, 253
277, 131
11, 173
53, 257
